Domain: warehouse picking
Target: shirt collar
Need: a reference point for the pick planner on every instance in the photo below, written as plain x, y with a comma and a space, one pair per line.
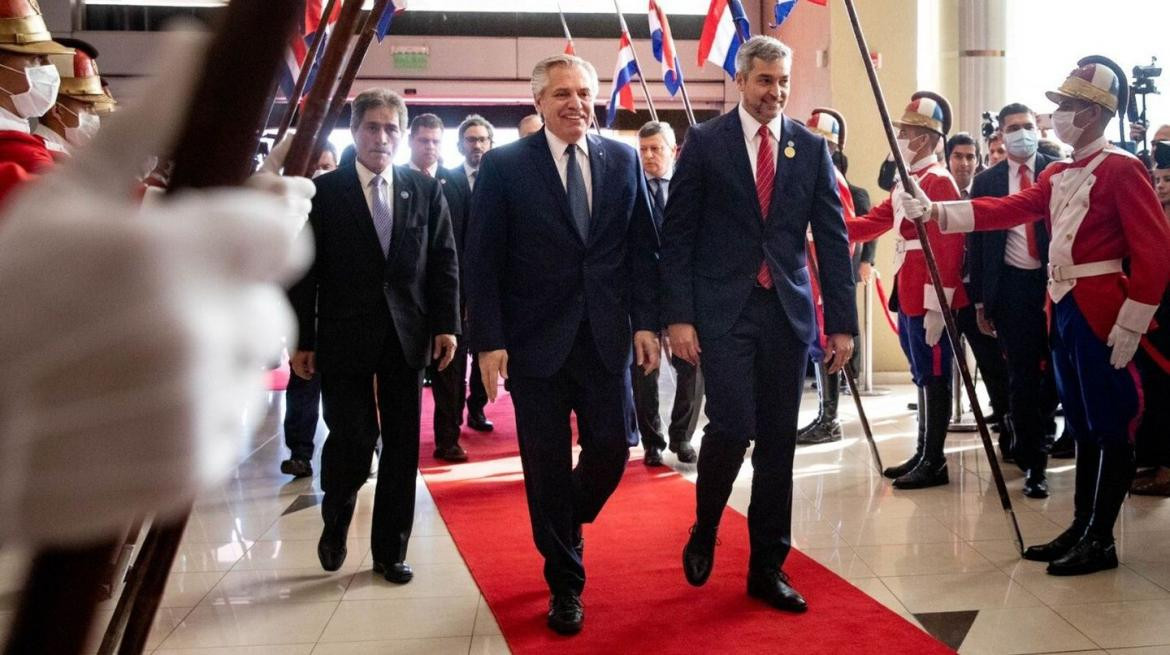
924, 163
751, 126
1014, 166
365, 174
13, 123
1093, 148
53, 141
468, 170
664, 178
558, 147
431, 170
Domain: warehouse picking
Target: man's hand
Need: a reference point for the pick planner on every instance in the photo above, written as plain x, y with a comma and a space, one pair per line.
646, 350
684, 341
865, 273
934, 324
493, 365
838, 351
1124, 343
304, 364
986, 325
444, 350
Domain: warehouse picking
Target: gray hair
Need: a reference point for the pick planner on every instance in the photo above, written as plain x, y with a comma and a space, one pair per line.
372, 99
654, 128
759, 47
540, 72
475, 119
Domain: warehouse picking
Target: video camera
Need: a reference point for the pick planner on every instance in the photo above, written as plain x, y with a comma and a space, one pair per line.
1143, 77
988, 128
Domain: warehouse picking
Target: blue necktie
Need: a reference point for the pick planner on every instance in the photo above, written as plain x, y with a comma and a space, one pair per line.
380, 211
659, 194
575, 188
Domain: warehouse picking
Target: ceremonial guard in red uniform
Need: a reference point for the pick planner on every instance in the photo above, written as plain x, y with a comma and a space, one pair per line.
1103, 213
75, 119
28, 89
921, 326
826, 428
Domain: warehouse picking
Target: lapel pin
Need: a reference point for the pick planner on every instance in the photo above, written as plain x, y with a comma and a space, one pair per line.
405, 195
442, 180
790, 150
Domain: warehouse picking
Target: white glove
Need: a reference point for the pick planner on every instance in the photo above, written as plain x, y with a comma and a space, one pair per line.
915, 204
1124, 343
274, 162
294, 193
132, 364
934, 324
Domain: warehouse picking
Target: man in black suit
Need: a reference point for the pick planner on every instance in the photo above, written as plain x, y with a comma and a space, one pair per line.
476, 137
1008, 282
736, 292
381, 299
561, 255
656, 145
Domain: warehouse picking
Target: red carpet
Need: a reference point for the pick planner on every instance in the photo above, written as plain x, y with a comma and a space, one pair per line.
636, 599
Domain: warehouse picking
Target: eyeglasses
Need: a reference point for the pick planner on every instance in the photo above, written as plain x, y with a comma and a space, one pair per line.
477, 139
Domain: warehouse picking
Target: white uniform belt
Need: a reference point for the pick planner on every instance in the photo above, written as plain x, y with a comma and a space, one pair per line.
1058, 273
901, 246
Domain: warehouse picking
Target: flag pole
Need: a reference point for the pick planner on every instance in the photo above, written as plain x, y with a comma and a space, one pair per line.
570, 50
935, 278
634, 53
303, 77
682, 85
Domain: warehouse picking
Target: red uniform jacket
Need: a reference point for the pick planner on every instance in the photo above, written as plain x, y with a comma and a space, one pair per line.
22, 155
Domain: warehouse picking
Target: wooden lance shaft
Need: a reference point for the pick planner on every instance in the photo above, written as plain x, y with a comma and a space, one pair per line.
936, 279
303, 78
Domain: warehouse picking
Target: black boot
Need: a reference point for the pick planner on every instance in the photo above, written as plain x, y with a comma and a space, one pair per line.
1088, 463
1096, 550
818, 381
826, 428
905, 467
932, 469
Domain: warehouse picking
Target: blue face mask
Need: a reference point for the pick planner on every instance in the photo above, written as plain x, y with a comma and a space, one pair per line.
1021, 144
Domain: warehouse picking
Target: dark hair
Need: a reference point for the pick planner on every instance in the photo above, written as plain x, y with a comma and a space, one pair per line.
1013, 108
473, 120
961, 139
841, 161
425, 121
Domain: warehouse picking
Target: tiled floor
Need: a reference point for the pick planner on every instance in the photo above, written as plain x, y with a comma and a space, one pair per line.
247, 580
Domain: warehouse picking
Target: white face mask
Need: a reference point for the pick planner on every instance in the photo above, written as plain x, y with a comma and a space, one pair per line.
43, 83
1066, 131
909, 154
87, 128
1021, 144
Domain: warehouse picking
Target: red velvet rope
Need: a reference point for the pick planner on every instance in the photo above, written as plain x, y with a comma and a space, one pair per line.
881, 291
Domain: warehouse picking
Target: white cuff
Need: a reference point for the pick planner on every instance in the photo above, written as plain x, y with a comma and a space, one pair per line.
930, 298
1136, 316
978, 305
955, 216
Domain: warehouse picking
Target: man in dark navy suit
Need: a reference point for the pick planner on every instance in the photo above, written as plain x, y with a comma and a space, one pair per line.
561, 272
736, 293
381, 299
1008, 285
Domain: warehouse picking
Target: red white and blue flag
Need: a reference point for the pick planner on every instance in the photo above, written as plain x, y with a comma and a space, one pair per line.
623, 77
298, 47
725, 28
663, 45
393, 8
785, 7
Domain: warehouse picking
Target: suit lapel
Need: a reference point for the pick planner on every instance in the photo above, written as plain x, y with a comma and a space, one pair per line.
359, 211
742, 164
552, 179
783, 167
597, 165
402, 201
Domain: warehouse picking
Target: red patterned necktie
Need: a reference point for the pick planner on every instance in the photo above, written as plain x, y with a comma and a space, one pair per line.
765, 179
1030, 230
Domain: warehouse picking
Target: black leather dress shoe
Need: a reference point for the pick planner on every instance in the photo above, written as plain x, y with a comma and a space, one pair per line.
822, 432
452, 453
685, 451
1056, 548
653, 457
398, 572
699, 555
298, 468
478, 422
1036, 486
771, 586
1090, 555
331, 551
566, 614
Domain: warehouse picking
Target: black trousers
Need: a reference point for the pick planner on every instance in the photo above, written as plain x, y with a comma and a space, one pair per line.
755, 377
1022, 326
302, 403
988, 357
352, 412
449, 388
477, 394
1153, 436
684, 416
560, 496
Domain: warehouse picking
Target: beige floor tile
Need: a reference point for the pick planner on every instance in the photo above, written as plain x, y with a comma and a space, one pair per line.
884, 506
251, 625
415, 618
1103, 587
438, 646
485, 621
297, 554
1004, 553
1145, 650
1022, 630
881, 531
189, 589
923, 559
164, 623
1153, 546
430, 581
306, 524
877, 590
843, 561
250, 587
281, 649
438, 549
489, 645
1156, 572
994, 525
199, 556
228, 525
959, 591
1122, 625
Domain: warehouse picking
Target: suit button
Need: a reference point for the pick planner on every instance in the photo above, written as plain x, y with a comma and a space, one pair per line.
386, 286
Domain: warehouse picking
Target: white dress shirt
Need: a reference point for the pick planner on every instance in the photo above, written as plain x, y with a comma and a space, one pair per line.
557, 147
1015, 253
471, 174
53, 141
13, 123
751, 128
364, 177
